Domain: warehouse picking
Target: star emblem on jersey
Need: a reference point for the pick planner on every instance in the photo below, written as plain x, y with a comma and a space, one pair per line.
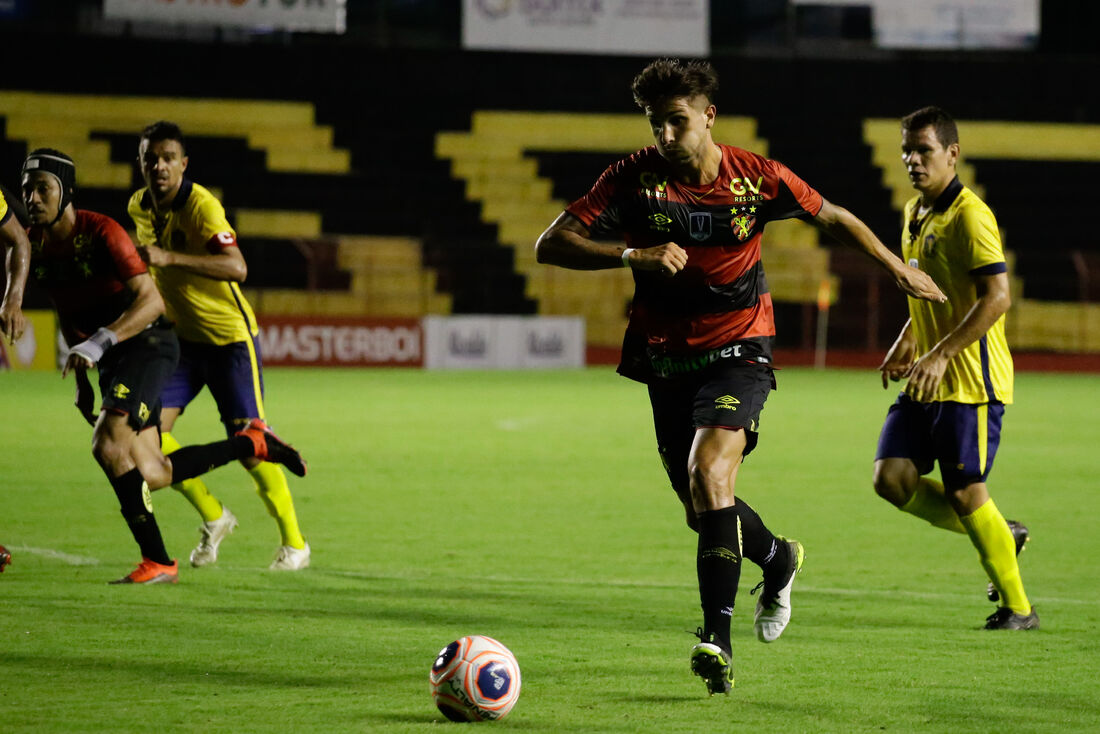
726, 402
742, 221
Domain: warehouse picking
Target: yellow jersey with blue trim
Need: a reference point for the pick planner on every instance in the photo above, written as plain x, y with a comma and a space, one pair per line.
956, 240
204, 310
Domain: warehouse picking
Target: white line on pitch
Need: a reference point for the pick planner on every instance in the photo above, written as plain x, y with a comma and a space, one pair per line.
69, 558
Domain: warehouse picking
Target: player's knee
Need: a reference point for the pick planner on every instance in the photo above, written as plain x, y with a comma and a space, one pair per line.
108, 452
891, 484
710, 484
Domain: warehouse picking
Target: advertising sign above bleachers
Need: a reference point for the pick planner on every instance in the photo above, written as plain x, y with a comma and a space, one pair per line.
316, 16
620, 27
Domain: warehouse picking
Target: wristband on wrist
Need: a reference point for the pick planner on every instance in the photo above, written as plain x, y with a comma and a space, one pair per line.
94, 346
626, 256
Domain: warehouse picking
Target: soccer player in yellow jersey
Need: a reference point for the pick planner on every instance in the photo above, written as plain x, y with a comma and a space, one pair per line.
186, 238
958, 366
17, 258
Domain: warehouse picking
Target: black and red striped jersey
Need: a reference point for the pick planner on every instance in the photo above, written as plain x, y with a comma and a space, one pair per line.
85, 275
721, 296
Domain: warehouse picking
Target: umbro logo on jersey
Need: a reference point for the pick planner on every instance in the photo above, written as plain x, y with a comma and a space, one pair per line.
660, 221
121, 391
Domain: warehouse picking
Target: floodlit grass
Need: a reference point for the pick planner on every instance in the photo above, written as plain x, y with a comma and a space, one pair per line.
532, 507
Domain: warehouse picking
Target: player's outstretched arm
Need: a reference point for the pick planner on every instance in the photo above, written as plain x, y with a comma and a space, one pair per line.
18, 258
567, 244
848, 229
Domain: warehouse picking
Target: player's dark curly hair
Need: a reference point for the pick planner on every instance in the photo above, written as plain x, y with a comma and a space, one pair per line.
164, 130
946, 130
665, 78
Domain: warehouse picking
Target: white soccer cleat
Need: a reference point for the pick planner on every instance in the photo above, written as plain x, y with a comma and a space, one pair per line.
213, 533
290, 559
773, 608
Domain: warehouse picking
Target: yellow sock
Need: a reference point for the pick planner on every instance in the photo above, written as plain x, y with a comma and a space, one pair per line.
989, 533
273, 490
929, 503
193, 489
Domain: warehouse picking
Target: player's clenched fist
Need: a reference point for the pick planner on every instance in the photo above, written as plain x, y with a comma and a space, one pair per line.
668, 258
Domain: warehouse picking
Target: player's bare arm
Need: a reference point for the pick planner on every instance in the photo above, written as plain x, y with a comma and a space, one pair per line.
227, 264
144, 310
18, 258
993, 301
900, 357
848, 229
567, 244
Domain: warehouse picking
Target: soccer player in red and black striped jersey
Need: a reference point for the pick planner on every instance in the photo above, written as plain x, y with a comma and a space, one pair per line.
112, 317
691, 213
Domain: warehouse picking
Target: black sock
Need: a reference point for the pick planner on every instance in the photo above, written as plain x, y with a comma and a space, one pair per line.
143, 525
760, 545
718, 565
191, 461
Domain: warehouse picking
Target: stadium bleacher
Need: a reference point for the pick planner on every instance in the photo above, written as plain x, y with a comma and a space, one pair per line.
360, 158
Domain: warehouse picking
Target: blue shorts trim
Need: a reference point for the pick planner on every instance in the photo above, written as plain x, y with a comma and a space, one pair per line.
232, 372
963, 438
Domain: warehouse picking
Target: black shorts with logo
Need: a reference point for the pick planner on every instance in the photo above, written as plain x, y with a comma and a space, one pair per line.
133, 373
726, 394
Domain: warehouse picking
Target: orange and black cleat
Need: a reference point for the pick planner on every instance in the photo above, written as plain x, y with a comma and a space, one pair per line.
270, 447
151, 572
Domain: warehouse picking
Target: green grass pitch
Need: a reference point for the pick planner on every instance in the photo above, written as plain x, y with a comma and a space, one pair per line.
532, 507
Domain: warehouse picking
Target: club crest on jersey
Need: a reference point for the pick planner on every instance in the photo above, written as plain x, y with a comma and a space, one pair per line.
742, 220
928, 246
699, 226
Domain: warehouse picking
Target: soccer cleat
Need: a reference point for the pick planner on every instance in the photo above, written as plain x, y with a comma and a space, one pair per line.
270, 447
773, 608
1021, 535
151, 572
711, 663
1006, 619
212, 535
289, 558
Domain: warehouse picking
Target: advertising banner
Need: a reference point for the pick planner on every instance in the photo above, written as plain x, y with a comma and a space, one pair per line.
319, 16
318, 341
620, 27
37, 349
503, 342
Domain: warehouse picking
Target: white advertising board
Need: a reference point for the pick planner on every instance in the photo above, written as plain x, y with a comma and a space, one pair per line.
620, 27
319, 16
503, 342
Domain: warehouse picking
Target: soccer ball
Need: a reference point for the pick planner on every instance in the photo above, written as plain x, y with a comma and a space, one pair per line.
475, 678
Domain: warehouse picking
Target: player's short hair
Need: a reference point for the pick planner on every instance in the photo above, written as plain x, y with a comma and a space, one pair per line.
946, 130
665, 78
164, 130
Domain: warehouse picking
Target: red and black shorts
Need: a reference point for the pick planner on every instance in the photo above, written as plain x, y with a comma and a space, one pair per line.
723, 395
133, 372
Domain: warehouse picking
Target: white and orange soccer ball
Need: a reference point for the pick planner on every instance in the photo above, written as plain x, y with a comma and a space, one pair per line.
475, 678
